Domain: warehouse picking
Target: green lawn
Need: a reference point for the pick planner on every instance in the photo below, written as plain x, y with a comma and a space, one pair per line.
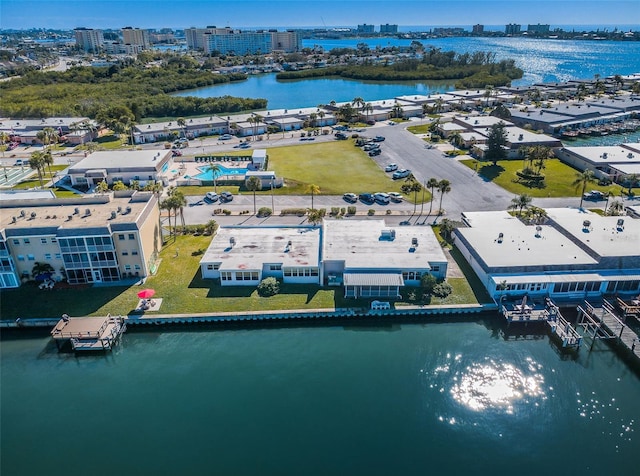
421, 129
34, 181
559, 177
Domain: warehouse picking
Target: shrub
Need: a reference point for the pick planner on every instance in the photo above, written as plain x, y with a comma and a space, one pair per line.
268, 287
351, 210
264, 212
371, 212
388, 212
442, 290
226, 212
294, 211
335, 211
342, 210
428, 283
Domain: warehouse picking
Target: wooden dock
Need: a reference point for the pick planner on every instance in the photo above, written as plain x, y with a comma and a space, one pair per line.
604, 323
530, 311
89, 333
629, 309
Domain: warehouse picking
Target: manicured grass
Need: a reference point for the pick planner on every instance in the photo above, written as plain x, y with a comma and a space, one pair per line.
34, 181
559, 177
336, 167
421, 129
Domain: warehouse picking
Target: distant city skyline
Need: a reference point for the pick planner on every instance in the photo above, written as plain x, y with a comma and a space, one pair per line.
178, 14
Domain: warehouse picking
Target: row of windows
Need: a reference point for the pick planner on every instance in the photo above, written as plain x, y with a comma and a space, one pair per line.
26, 241
215, 266
130, 236
127, 267
300, 272
622, 286
411, 275
133, 253
239, 275
589, 286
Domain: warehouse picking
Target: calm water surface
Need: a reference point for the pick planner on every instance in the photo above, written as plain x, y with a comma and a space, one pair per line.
541, 60
407, 400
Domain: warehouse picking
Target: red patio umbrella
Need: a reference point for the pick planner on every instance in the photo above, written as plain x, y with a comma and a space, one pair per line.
146, 293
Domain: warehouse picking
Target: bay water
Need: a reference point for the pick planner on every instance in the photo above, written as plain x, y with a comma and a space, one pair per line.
541, 60
409, 399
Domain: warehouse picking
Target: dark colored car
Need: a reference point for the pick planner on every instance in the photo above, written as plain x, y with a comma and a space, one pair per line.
374, 152
366, 197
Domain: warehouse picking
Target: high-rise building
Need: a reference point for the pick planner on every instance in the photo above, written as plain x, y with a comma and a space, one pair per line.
365, 29
388, 29
288, 41
136, 37
538, 29
89, 40
195, 36
477, 29
512, 29
238, 42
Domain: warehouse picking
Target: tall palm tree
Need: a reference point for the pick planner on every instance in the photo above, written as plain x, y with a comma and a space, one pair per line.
432, 183
615, 208
215, 169
47, 159
358, 102
313, 190
582, 180
632, 181
411, 185
367, 108
444, 186
254, 184
167, 204
36, 162
4, 138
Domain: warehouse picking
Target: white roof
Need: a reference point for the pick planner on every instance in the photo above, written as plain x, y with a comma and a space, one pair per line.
519, 245
255, 246
361, 245
613, 154
604, 237
121, 159
473, 122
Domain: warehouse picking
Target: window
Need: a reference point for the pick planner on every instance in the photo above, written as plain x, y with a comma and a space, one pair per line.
225, 276
16, 242
58, 256
20, 257
127, 267
435, 269
275, 267
134, 252
125, 253
47, 256
43, 241
31, 257
26, 241
137, 267
54, 240
121, 237
209, 267
132, 236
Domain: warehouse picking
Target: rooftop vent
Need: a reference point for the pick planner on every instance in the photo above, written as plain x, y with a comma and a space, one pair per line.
119, 209
69, 217
414, 241
76, 211
33, 215
500, 237
232, 241
13, 219
620, 224
22, 213
538, 231
87, 212
388, 234
128, 209
586, 225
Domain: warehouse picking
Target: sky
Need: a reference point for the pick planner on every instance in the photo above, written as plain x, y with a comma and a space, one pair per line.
105, 14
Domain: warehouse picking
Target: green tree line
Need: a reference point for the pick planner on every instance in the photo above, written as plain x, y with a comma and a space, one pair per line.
145, 91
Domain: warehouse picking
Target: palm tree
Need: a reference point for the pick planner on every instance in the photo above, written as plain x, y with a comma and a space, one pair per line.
412, 185
632, 181
180, 202
444, 186
47, 159
432, 183
4, 138
397, 110
254, 184
167, 204
358, 102
36, 162
313, 190
582, 180
210, 227
521, 202
102, 187
446, 228
41, 268
367, 108
215, 169
615, 208
182, 124
488, 92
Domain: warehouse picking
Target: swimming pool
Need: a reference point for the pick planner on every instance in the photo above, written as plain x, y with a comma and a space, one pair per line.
207, 174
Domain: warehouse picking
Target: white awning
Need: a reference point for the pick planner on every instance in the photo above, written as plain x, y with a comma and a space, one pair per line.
373, 279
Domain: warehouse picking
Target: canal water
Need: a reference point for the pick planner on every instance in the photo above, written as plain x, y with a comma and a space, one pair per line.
541, 60
410, 399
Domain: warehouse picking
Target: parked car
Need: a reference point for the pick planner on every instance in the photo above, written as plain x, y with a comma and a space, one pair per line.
211, 196
340, 136
18, 162
245, 145
371, 146
350, 197
375, 152
391, 167
366, 197
226, 196
395, 196
403, 173
176, 153
381, 197
225, 137
593, 195
378, 138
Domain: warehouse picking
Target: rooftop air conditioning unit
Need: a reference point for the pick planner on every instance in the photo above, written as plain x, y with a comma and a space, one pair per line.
113, 215
87, 212
33, 215
76, 211
620, 224
128, 209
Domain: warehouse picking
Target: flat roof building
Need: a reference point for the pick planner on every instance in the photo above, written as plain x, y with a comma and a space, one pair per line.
90, 239
574, 255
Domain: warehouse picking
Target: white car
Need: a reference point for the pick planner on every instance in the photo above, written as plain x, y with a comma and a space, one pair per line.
212, 196
395, 196
391, 167
398, 174
381, 197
